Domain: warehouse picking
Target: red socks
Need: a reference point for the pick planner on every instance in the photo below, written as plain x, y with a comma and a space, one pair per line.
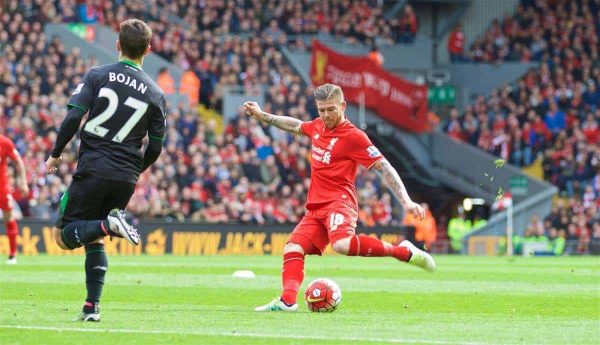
362, 245
400, 253
292, 276
12, 231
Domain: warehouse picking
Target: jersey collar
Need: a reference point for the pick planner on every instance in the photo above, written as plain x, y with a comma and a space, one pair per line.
342, 123
130, 63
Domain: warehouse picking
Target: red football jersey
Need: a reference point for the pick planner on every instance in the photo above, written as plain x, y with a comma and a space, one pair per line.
7, 150
336, 154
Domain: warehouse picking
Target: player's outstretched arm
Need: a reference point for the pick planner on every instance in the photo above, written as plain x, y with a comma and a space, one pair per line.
286, 123
394, 182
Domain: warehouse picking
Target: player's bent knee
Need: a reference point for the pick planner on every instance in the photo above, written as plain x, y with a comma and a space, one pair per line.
99, 240
293, 247
7, 216
341, 246
58, 238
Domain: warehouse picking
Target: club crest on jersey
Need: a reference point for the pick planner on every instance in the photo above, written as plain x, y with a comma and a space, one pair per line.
373, 151
316, 136
332, 142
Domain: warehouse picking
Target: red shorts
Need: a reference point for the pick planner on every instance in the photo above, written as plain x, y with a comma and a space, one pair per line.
6, 201
326, 225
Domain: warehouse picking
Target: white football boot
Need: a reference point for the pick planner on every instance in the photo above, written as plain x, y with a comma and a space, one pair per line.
92, 317
120, 228
277, 305
419, 257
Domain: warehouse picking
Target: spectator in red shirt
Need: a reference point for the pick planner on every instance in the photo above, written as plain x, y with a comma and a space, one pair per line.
456, 44
408, 25
590, 129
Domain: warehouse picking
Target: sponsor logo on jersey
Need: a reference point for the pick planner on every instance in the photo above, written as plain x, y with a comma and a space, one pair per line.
323, 155
320, 155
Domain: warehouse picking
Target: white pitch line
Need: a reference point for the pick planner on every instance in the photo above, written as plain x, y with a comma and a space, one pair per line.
244, 334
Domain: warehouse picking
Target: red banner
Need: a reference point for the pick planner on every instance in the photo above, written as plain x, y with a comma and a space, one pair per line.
399, 101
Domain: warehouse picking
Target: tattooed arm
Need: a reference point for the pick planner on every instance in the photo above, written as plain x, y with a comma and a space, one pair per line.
286, 123
394, 182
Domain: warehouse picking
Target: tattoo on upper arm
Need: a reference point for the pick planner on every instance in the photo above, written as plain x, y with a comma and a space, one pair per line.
285, 123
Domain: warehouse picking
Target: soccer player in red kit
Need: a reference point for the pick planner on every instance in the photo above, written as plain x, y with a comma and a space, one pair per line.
338, 147
8, 150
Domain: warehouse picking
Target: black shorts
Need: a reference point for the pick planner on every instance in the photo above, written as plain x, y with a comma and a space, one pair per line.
91, 198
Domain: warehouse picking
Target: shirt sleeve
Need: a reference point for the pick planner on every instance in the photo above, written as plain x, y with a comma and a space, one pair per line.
158, 120
308, 128
83, 95
10, 149
363, 151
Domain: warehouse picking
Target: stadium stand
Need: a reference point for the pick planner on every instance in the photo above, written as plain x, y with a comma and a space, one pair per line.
540, 27
551, 116
356, 21
248, 173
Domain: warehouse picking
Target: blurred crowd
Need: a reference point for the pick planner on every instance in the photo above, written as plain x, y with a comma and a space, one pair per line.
206, 37
256, 174
247, 173
186, 20
537, 31
550, 116
573, 227
552, 113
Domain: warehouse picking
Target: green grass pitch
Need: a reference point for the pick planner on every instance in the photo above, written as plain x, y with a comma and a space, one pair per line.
195, 300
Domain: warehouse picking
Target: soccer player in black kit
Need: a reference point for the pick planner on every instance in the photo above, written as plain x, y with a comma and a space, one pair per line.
123, 105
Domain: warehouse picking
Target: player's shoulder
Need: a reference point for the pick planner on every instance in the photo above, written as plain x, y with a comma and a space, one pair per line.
156, 90
101, 69
314, 125
6, 145
350, 129
316, 122
157, 96
98, 73
4, 140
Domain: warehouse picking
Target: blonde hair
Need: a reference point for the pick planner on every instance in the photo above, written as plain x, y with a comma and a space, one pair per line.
326, 92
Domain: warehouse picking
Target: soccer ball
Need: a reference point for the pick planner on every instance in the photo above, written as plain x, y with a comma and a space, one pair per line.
323, 295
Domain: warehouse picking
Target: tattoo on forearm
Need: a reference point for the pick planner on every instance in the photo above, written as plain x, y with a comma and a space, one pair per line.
391, 177
285, 123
